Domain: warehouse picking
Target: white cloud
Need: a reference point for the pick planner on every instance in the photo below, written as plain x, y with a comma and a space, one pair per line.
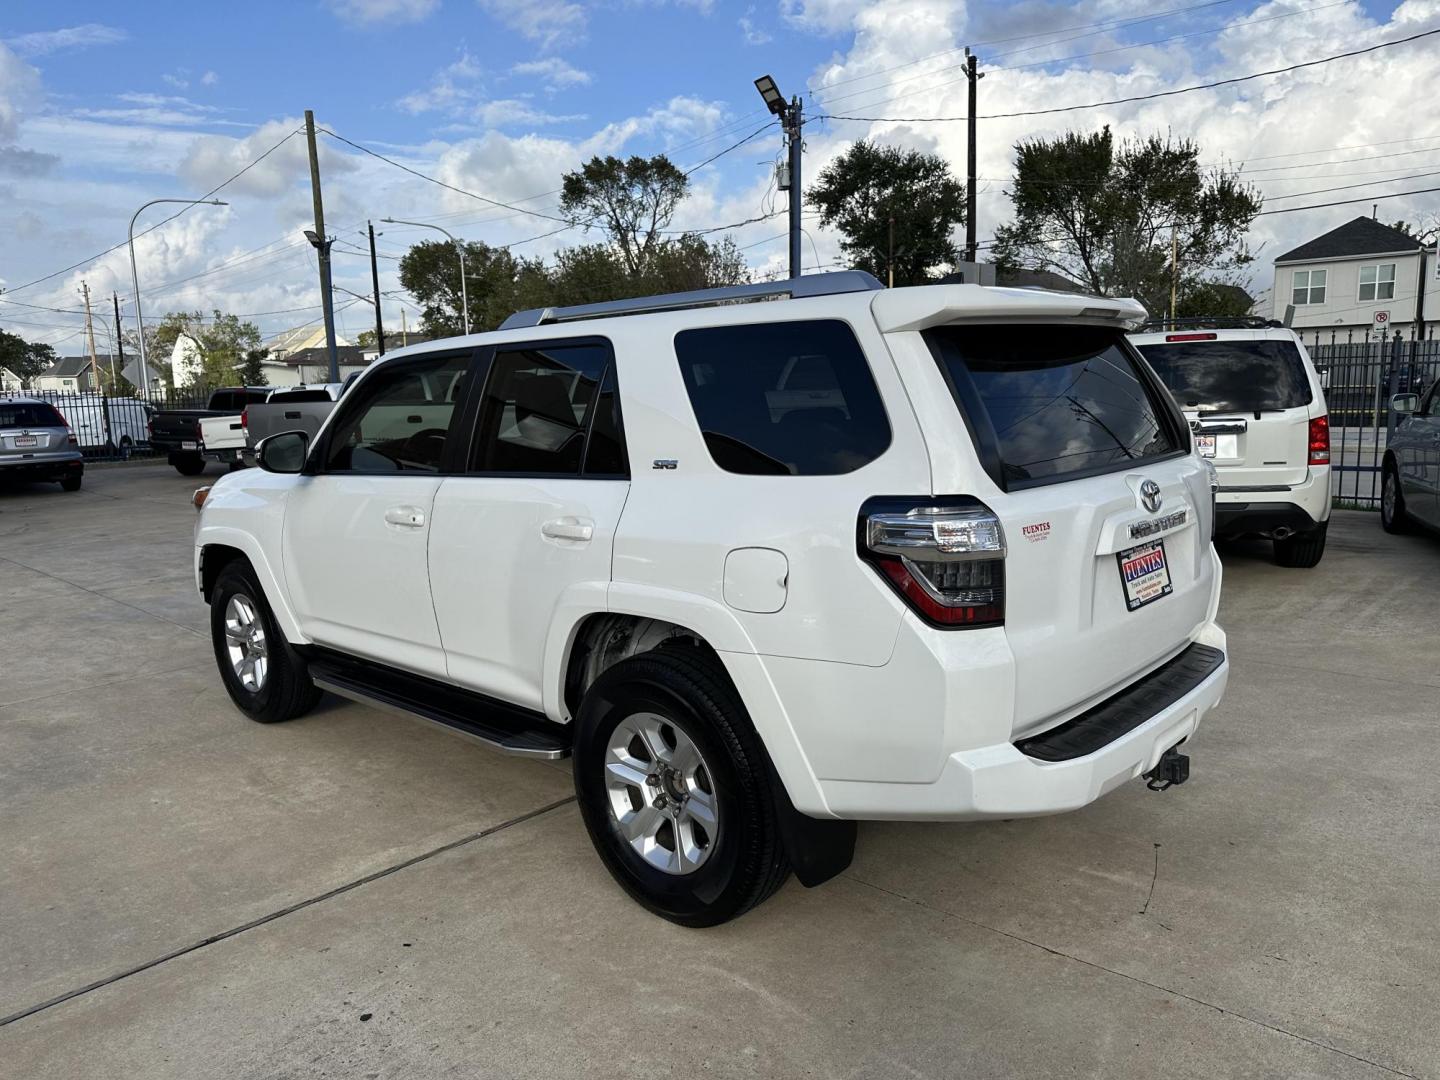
554, 72
550, 22
508, 112
178, 80
17, 162
209, 79
44, 42
822, 16
19, 92
455, 85
211, 159
752, 32
372, 12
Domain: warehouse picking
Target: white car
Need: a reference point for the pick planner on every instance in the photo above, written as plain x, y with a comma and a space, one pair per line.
1258, 411
767, 560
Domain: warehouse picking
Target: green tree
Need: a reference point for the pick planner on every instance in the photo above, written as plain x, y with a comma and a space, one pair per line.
252, 368
495, 279
1103, 215
26, 359
1219, 298
870, 186
224, 341
632, 201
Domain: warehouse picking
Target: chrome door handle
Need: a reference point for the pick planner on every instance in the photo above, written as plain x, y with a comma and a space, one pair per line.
407, 517
568, 529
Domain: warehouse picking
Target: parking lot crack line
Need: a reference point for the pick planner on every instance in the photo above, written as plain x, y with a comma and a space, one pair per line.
102, 596
1154, 878
1133, 978
301, 905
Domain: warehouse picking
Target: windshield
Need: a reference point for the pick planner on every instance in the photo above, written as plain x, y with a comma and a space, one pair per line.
1231, 376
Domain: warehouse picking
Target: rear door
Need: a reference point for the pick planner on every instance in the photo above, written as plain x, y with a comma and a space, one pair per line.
528, 529
1105, 511
1249, 399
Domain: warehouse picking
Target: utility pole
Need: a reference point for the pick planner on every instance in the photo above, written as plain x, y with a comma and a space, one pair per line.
375, 287
404, 330
792, 122
322, 246
90, 337
890, 263
1174, 271
119, 338
972, 76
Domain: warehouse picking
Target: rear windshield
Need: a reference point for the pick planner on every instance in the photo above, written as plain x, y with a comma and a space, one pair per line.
299, 397
26, 414
1049, 402
1231, 376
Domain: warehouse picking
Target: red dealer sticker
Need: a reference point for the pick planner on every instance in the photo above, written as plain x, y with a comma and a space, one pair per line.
1144, 573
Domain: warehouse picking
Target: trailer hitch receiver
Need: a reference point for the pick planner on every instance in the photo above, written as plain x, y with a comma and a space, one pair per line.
1172, 768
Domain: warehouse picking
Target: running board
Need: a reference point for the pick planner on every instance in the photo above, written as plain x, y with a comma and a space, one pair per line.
507, 728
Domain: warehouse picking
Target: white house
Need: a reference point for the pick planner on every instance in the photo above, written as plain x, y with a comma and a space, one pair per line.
1338, 281
69, 375
186, 361
10, 383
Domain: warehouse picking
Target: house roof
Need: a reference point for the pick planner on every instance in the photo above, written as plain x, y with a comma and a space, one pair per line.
70, 367
1360, 236
349, 355
1037, 279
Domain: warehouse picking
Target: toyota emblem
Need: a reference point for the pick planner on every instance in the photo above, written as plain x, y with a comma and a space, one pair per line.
1150, 496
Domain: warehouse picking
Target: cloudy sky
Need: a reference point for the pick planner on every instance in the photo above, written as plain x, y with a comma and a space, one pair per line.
109, 105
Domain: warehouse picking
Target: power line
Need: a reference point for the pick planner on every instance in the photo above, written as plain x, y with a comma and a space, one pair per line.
166, 221
1144, 97
733, 146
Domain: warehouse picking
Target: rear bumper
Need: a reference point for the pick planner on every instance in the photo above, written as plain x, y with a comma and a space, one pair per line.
1003, 781
1260, 511
48, 468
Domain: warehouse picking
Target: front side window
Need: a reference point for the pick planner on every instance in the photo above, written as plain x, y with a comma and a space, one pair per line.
400, 419
1309, 287
1060, 400
540, 405
1377, 282
783, 399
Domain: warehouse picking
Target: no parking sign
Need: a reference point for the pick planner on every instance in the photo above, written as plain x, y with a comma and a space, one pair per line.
1380, 321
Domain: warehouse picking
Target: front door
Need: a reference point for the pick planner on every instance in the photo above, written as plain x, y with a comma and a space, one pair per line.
528, 530
357, 525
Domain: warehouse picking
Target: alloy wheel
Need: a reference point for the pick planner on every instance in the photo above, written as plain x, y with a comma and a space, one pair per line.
661, 794
245, 643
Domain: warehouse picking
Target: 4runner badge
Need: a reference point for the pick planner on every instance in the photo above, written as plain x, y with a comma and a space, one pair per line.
1150, 496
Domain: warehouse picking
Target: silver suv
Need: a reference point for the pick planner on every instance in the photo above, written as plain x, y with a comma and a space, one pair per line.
37, 444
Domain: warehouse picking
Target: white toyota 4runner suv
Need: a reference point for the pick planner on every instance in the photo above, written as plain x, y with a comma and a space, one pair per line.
766, 560
1258, 412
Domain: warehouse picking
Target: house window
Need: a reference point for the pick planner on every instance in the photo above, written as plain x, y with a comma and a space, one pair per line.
1377, 282
1309, 287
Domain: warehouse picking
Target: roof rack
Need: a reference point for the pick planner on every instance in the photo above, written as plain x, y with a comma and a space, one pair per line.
843, 281
1212, 322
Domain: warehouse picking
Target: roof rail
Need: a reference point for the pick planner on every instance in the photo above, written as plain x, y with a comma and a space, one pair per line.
1212, 322
843, 281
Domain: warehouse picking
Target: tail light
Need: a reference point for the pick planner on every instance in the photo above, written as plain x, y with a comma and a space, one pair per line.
197, 430
1191, 337
245, 418
70, 437
1320, 441
946, 559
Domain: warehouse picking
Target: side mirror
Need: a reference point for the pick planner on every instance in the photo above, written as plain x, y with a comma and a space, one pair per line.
1405, 404
283, 452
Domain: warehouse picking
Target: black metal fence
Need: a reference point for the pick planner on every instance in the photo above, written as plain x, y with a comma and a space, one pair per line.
1361, 378
113, 427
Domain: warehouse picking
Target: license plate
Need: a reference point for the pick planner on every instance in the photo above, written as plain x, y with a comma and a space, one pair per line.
26, 440
1145, 574
1205, 444
189, 446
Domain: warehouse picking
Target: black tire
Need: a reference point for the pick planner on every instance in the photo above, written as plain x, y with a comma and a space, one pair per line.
1303, 550
1393, 518
286, 691
690, 690
71, 483
235, 466
188, 464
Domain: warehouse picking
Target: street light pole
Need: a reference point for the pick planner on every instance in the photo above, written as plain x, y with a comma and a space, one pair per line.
135, 281
791, 117
459, 248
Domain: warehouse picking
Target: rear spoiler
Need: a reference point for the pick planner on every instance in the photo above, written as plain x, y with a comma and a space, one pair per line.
897, 310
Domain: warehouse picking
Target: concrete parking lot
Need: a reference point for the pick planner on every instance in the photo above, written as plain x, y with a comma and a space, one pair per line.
188, 894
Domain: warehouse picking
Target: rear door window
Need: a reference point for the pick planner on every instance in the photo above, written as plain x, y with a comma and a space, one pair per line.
784, 399
1231, 376
1049, 403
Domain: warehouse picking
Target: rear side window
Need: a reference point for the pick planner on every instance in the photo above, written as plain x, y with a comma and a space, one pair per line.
28, 414
1048, 403
550, 410
1231, 376
791, 398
